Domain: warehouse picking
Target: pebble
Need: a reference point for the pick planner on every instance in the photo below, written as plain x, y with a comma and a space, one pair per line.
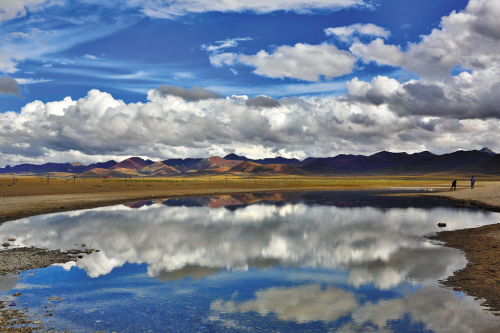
22, 259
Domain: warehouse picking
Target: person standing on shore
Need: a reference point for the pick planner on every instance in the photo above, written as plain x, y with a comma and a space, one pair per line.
472, 182
453, 185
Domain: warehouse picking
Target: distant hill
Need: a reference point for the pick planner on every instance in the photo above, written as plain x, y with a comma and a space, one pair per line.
439, 163
234, 157
102, 165
182, 164
330, 165
489, 166
214, 164
159, 169
488, 151
251, 167
105, 173
483, 161
385, 159
359, 164
264, 161
47, 167
133, 163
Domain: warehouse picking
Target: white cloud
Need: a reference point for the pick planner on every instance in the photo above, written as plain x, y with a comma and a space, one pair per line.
31, 80
169, 9
301, 61
375, 116
469, 39
10, 9
36, 43
224, 44
90, 57
346, 33
8, 61
298, 304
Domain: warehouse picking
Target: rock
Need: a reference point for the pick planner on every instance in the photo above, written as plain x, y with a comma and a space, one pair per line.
11, 239
441, 225
5, 244
17, 294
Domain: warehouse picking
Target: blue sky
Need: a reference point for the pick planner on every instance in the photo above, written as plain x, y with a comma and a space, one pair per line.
393, 75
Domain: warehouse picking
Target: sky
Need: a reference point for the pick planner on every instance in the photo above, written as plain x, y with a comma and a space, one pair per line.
89, 81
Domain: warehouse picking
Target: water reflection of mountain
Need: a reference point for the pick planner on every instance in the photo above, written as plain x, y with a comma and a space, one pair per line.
230, 202
346, 198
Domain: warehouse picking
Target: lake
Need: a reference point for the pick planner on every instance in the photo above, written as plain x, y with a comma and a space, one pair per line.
333, 261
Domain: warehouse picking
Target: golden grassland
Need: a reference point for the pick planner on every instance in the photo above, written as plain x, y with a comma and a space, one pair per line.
61, 183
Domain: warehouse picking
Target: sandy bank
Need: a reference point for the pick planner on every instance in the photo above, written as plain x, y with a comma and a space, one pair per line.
481, 277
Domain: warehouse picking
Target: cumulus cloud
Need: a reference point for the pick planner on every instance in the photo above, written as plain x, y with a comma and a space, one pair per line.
346, 33
262, 101
196, 93
193, 122
9, 86
466, 96
301, 61
468, 39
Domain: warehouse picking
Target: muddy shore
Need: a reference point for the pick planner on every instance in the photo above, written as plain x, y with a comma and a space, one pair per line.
481, 246
13, 317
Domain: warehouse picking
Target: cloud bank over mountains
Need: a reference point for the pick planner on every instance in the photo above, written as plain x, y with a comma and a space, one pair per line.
177, 122
451, 102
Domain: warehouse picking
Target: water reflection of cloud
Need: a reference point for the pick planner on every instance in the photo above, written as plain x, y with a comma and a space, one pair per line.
438, 308
369, 241
431, 308
299, 304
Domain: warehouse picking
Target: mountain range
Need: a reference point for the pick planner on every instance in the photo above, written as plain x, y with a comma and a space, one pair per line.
483, 161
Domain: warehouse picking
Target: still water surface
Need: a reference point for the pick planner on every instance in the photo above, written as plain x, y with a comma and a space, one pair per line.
343, 261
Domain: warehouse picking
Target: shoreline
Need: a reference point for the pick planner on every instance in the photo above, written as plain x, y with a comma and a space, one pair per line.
480, 278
